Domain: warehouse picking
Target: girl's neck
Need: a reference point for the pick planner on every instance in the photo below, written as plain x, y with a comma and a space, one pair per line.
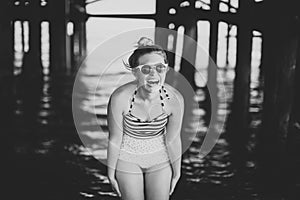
148, 96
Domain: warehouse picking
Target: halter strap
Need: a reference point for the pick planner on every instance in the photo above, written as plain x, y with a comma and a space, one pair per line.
160, 95
133, 97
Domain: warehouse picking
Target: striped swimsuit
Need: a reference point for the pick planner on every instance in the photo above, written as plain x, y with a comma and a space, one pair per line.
143, 142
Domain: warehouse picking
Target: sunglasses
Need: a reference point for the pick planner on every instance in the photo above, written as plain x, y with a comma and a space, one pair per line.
146, 69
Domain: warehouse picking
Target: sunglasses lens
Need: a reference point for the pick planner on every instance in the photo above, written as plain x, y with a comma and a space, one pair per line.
160, 68
146, 69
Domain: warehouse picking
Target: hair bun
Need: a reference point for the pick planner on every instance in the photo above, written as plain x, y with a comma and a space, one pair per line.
144, 41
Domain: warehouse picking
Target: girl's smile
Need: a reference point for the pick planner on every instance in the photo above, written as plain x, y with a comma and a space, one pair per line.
153, 80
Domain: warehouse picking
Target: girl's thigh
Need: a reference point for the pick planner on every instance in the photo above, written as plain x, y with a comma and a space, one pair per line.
130, 180
157, 183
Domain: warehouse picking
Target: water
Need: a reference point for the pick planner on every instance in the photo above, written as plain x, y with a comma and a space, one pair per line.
52, 163
49, 160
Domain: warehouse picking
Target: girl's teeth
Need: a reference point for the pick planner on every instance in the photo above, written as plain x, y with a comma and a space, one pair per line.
152, 82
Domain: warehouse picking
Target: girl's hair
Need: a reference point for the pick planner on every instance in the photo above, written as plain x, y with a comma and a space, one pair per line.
145, 46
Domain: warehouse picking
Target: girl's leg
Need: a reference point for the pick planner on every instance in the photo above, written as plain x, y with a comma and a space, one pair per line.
157, 182
130, 179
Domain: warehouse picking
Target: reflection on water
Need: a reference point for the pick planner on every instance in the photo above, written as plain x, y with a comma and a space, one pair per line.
52, 162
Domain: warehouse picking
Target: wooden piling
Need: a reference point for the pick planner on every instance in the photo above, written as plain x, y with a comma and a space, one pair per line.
79, 40
280, 46
238, 123
6, 39
161, 37
188, 60
79, 17
212, 66
293, 133
57, 37
237, 126
32, 65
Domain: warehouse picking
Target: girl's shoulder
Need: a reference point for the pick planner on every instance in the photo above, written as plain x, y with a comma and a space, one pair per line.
174, 94
175, 101
121, 96
124, 91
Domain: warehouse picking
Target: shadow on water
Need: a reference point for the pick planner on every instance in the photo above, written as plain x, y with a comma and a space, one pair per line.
50, 161
45, 157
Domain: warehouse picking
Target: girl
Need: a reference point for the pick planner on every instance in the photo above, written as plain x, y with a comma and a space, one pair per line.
144, 121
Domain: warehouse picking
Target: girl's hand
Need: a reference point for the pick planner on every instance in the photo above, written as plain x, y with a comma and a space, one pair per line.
114, 185
174, 181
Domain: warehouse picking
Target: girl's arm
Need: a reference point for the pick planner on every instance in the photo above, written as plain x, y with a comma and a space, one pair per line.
173, 139
115, 129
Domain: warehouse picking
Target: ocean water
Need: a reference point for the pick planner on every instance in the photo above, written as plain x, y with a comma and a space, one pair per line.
54, 159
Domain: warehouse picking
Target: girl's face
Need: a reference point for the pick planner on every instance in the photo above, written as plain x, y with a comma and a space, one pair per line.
153, 79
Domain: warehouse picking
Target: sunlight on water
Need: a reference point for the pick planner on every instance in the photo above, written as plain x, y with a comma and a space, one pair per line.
48, 105
45, 49
18, 47
105, 52
179, 47
44, 121
202, 57
222, 45
99, 88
